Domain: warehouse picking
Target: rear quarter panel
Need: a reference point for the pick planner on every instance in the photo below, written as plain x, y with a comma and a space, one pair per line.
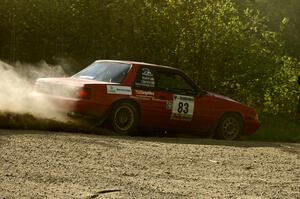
101, 101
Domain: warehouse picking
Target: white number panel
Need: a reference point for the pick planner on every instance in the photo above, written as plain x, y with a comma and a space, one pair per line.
182, 107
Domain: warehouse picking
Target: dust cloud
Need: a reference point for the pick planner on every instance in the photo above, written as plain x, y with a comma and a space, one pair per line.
17, 85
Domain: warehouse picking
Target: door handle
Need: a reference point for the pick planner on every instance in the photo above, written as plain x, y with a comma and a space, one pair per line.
162, 97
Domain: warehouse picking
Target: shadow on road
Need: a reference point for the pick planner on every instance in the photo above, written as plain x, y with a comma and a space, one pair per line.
101, 133
27, 124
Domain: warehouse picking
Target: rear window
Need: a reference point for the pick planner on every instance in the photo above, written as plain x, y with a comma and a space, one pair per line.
105, 71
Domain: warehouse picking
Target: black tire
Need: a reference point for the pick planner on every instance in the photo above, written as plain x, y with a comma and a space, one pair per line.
124, 118
230, 126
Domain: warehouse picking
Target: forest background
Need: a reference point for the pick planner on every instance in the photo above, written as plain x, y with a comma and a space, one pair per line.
246, 49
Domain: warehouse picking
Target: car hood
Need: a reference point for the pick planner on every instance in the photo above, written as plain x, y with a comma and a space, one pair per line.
221, 97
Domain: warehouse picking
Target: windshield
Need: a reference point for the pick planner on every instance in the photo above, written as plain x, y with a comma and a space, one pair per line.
104, 71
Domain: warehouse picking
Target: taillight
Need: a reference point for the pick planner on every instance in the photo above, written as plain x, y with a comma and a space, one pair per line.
84, 93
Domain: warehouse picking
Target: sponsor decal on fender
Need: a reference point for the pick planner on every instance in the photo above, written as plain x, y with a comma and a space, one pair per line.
121, 90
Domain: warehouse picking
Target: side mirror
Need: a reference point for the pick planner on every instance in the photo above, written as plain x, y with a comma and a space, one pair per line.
201, 92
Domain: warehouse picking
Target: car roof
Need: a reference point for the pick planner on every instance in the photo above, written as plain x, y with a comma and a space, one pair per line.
140, 63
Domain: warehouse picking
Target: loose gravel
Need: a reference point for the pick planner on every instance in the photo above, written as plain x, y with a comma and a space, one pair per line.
39, 164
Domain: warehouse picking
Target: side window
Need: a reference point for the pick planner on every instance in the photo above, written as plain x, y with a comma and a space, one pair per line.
145, 78
175, 83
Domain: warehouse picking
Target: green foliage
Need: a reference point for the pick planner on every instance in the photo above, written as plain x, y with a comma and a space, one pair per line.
277, 128
283, 17
229, 45
281, 88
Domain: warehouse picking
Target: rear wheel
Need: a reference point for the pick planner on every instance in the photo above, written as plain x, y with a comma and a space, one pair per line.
124, 118
230, 126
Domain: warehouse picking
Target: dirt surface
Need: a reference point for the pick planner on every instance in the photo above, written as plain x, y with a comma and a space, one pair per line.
65, 165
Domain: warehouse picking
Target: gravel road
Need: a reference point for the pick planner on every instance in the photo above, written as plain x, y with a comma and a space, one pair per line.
36, 164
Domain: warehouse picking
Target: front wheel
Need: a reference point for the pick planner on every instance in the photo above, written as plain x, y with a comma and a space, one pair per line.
124, 118
230, 126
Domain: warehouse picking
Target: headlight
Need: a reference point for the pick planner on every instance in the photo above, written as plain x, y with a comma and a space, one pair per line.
256, 117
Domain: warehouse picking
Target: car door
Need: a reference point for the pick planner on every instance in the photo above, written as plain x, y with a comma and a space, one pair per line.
154, 104
181, 95
189, 109
169, 100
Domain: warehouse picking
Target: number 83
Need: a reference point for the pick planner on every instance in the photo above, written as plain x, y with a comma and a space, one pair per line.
183, 107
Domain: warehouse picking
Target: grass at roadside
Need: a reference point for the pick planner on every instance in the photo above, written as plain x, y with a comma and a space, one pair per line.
278, 128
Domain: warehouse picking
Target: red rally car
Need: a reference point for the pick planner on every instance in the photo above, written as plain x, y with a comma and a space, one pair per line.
135, 96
